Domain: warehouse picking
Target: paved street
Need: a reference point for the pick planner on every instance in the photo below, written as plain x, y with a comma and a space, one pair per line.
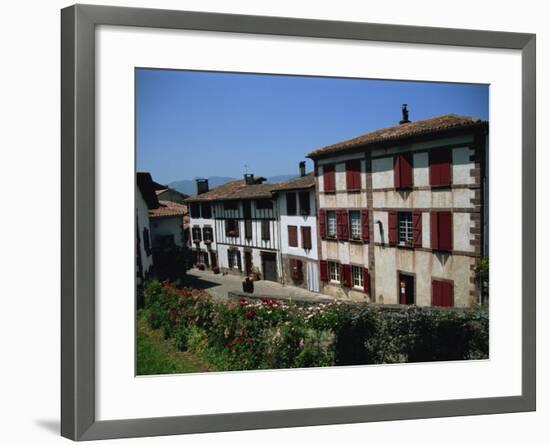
219, 285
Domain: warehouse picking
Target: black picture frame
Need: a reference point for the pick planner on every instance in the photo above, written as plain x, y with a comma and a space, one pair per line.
78, 23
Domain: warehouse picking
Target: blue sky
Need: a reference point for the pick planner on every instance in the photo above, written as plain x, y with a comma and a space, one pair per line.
200, 124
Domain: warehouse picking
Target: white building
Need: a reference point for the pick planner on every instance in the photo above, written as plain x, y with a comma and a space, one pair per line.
298, 221
146, 200
402, 212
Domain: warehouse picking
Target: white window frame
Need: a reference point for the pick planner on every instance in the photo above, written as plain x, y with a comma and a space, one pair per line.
331, 224
357, 281
334, 275
405, 228
355, 223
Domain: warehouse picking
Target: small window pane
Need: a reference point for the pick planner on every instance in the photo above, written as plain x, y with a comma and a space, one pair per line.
331, 223
405, 228
357, 276
355, 224
334, 271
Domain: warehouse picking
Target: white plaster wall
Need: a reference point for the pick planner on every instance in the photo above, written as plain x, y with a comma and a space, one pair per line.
382, 173
426, 241
380, 231
421, 169
461, 165
425, 266
202, 222
143, 222
169, 225
461, 232
299, 221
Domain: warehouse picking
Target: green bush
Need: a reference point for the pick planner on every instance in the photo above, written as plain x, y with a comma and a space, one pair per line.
260, 334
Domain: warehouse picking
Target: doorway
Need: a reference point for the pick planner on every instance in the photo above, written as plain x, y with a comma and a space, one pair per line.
406, 288
269, 266
213, 259
247, 262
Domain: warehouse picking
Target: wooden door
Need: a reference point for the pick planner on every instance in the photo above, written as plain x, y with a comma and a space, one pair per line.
269, 266
406, 289
247, 262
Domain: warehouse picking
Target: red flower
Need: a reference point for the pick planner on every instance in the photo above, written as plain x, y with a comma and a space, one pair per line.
250, 314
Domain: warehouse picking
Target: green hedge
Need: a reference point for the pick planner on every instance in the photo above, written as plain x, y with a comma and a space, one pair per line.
267, 333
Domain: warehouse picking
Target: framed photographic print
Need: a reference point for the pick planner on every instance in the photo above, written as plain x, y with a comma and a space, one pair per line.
273, 222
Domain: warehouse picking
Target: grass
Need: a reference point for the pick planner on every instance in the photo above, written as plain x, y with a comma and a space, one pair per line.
158, 356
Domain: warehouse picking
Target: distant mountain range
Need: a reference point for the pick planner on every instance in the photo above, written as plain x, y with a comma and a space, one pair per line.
188, 186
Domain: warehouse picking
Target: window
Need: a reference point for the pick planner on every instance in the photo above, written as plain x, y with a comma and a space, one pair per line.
231, 205
355, 224
264, 204
247, 209
293, 236
195, 210
296, 270
207, 234
248, 228
441, 230
266, 236
440, 167
353, 174
232, 228
442, 293
304, 203
146, 241
357, 276
334, 271
291, 203
196, 234
331, 224
206, 209
306, 237
329, 181
234, 259
402, 171
405, 228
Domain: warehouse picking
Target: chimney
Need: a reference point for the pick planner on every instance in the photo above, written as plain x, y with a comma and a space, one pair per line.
302, 166
249, 178
202, 185
405, 112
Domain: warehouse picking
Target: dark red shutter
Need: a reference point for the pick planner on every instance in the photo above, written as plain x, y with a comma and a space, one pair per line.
406, 170
402, 171
323, 270
293, 236
306, 237
328, 178
445, 228
366, 281
442, 293
417, 228
322, 223
345, 224
396, 172
345, 275
440, 167
353, 174
365, 225
434, 230
392, 227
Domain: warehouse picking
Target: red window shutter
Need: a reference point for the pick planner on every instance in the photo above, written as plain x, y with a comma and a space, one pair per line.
417, 228
440, 167
406, 170
442, 293
345, 224
434, 230
329, 178
445, 228
396, 172
392, 227
306, 237
366, 281
365, 225
402, 171
293, 236
322, 223
353, 174
345, 275
323, 266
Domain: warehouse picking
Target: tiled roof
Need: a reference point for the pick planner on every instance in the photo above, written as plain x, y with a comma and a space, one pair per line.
425, 127
168, 208
301, 182
237, 189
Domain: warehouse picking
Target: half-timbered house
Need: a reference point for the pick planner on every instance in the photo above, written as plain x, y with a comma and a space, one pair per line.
403, 212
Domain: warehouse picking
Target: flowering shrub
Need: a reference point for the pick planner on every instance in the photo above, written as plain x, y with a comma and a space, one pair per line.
260, 334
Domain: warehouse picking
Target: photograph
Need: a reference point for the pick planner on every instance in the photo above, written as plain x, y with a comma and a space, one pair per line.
289, 221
